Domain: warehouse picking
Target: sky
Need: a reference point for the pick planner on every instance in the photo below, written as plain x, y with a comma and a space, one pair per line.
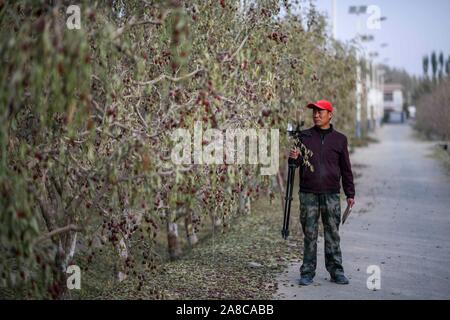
413, 28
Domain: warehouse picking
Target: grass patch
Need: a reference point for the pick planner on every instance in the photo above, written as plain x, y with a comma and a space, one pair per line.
239, 264
443, 156
438, 153
363, 142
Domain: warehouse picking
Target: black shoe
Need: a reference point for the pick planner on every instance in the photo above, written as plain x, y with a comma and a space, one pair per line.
305, 280
339, 279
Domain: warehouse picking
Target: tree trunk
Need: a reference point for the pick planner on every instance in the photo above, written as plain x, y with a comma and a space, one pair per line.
173, 240
215, 220
244, 204
65, 252
190, 232
281, 182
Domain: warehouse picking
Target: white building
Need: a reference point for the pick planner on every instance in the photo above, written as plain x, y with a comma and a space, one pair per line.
393, 101
370, 84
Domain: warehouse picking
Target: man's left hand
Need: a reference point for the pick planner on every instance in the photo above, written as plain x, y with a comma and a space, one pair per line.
350, 202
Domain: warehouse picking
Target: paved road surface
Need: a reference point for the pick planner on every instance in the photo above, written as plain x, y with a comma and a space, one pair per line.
401, 223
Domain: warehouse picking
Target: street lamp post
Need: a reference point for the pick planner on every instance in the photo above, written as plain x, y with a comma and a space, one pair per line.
358, 10
369, 79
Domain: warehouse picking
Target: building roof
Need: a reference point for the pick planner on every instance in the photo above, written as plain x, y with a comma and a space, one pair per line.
389, 87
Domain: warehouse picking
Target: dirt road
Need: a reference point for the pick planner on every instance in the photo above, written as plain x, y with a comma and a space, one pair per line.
400, 224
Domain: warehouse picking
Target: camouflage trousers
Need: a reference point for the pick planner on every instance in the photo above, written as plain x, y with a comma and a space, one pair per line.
327, 206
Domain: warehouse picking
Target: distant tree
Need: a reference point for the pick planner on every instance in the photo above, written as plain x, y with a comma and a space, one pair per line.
425, 63
433, 111
441, 65
434, 64
447, 66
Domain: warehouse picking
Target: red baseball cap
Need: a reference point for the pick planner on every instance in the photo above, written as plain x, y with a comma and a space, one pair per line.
321, 104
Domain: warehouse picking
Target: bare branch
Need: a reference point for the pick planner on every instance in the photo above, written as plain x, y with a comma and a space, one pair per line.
163, 76
70, 227
136, 109
132, 23
237, 50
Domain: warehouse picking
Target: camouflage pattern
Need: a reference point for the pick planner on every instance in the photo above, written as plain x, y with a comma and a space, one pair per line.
327, 206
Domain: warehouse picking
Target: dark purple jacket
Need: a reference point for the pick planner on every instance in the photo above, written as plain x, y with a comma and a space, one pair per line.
330, 160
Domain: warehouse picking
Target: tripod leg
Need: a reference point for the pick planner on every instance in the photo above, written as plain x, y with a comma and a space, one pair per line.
291, 186
288, 199
284, 231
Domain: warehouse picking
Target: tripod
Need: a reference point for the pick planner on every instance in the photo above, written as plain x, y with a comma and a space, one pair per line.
290, 183
288, 199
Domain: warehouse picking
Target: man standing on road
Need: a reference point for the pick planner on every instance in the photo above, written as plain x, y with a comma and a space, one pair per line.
320, 192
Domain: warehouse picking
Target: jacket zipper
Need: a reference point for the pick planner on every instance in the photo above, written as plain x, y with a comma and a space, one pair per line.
322, 138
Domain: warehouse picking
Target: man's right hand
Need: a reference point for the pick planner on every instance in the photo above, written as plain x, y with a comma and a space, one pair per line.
294, 153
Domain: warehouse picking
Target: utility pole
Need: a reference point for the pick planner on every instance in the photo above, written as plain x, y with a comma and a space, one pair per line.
358, 10
334, 19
